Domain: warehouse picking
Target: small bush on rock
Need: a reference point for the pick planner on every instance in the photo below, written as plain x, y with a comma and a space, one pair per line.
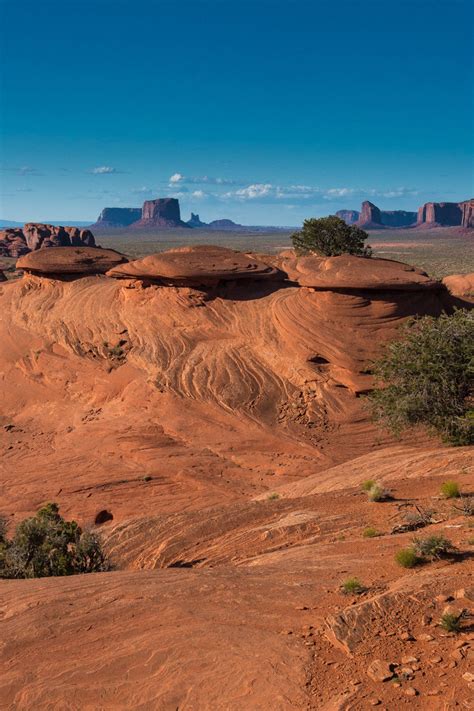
330, 237
371, 533
46, 545
450, 490
451, 622
378, 493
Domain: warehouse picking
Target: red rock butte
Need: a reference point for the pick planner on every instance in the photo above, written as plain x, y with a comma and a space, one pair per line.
203, 413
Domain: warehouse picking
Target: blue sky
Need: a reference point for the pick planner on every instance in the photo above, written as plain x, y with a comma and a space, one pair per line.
264, 111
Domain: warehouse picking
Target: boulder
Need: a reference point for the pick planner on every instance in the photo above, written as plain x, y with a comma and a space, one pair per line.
460, 284
199, 265
356, 273
118, 217
70, 261
349, 216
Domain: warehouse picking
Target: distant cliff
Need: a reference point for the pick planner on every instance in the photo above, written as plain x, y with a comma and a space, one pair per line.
446, 214
349, 216
118, 217
195, 221
372, 218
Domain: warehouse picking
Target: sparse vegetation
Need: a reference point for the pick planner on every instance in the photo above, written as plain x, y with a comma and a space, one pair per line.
378, 493
47, 545
330, 237
368, 484
450, 490
370, 532
451, 622
147, 477
407, 558
466, 506
434, 547
426, 378
414, 520
352, 586
273, 496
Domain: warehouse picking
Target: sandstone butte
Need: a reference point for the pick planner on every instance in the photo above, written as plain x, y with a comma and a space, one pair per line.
212, 417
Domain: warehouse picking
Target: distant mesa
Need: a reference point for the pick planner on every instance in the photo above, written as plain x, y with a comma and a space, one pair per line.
372, 218
70, 261
118, 217
224, 225
349, 216
163, 213
17, 241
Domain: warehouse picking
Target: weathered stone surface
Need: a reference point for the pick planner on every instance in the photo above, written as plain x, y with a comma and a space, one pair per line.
350, 272
2, 276
39, 235
349, 216
70, 260
379, 670
460, 284
13, 242
203, 264
118, 217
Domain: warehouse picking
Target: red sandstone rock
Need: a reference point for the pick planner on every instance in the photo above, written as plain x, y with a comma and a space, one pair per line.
467, 208
13, 243
444, 214
360, 273
70, 260
162, 213
34, 235
202, 264
460, 284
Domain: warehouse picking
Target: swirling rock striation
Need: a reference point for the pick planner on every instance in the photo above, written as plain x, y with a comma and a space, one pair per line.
70, 261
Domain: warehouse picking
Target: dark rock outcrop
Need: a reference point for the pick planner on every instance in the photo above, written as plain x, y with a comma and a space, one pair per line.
2, 276
17, 241
118, 217
195, 221
349, 216
371, 217
68, 261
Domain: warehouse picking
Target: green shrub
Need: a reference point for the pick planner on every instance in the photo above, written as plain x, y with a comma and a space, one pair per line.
330, 236
46, 545
352, 586
426, 378
368, 484
378, 493
433, 547
273, 497
371, 532
451, 622
407, 558
450, 490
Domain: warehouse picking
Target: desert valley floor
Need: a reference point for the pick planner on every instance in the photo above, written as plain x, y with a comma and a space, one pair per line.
218, 437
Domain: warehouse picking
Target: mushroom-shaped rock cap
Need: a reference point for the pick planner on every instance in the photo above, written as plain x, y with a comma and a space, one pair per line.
361, 273
201, 264
460, 284
70, 260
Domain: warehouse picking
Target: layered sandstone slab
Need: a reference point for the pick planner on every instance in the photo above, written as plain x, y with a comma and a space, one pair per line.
356, 273
70, 260
203, 264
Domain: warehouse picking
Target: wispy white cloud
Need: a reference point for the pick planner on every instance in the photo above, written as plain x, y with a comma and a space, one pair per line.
143, 190
104, 170
179, 178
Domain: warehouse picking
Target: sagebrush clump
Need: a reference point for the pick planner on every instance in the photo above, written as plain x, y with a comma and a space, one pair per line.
352, 586
450, 490
426, 378
407, 558
433, 547
47, 545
